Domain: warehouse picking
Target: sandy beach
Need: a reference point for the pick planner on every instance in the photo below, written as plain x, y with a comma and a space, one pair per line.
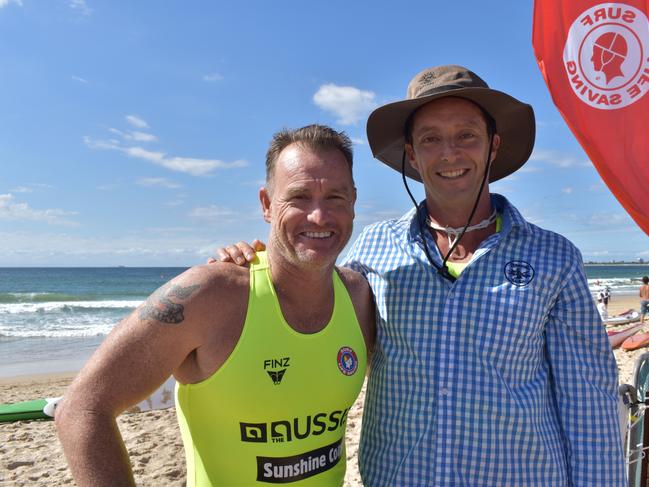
30, 454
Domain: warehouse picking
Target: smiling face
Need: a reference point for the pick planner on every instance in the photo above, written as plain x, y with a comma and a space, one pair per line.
449, 146
310, 205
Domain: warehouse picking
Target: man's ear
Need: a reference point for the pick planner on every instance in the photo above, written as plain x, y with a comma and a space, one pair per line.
264, 199
494, 147
410, 156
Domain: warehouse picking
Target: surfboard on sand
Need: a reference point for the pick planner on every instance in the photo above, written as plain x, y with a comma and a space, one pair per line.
637, 440
617, 337
162, 398
636, 341
629, 316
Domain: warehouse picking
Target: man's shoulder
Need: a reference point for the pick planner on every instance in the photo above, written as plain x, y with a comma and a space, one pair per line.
524, 226
354, 281
539, 237
218, 280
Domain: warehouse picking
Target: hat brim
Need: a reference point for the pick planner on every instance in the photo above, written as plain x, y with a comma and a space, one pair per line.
514, 123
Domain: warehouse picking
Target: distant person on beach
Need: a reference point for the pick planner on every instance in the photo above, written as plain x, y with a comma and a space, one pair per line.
268, 360
601, 309
603, 295
644, 298
491, 364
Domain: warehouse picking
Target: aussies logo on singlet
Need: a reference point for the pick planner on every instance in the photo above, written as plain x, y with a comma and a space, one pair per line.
347, 361
606, 55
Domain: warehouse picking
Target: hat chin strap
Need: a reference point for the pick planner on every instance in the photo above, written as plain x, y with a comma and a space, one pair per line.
453, 233
443, 270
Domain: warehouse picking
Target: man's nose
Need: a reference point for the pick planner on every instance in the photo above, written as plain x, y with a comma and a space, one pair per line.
448, 149
317, 214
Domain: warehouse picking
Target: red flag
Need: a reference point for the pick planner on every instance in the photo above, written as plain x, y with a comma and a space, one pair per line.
595, 60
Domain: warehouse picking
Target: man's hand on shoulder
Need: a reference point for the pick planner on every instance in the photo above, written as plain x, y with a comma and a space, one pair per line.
241, 253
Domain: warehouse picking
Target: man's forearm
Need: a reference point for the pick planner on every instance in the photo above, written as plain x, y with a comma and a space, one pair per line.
94, 449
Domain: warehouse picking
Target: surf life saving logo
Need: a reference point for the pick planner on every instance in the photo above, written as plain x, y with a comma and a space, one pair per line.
606, 55
519, 272
347, 361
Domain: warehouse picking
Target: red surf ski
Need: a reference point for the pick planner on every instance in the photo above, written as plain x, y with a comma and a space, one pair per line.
618, 337
636, 341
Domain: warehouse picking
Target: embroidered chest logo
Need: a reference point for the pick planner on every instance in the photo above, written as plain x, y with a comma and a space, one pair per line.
519, 272
276, 368
347, 361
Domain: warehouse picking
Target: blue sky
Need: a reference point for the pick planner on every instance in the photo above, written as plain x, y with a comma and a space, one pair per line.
134, 133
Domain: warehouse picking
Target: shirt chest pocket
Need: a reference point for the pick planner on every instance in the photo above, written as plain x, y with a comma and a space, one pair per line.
508, 330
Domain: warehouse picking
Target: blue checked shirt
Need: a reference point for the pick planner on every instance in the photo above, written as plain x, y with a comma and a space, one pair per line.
503, 378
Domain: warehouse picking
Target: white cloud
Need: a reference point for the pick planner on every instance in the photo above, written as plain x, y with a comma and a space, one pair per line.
258, 183
142, 137
558, 159
137, 121
21, 189
212, 213
134, 135
527, 168
174, 203
213, 77
604, 218
567, 190
189, 165
599, 187
159, 182
12, 210
80, 6
22, 248
347, 103
597, 253
4, 3
358, 141
108, 187
79, 79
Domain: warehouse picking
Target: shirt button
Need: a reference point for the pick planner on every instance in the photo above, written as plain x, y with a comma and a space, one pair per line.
444, 391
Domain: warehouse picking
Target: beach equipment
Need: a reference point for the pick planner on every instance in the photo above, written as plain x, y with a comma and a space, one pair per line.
617, 337
636, 341
634, 400
622, 319
28, 410
592, 56
162, 398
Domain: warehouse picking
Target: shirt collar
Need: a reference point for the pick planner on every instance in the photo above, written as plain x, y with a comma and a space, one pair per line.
511, 218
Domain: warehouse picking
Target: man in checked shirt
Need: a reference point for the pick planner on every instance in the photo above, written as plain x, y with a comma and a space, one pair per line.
491, 365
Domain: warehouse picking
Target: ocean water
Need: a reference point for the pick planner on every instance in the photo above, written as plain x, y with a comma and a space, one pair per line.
621, 278
52, 319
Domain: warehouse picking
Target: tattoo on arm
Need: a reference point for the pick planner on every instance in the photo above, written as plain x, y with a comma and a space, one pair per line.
161, 308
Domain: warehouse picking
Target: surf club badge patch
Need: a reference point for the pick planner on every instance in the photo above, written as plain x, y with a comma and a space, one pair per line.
519, 272
347, 361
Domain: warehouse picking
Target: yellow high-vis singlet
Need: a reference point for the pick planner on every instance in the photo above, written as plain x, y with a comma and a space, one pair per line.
276, 410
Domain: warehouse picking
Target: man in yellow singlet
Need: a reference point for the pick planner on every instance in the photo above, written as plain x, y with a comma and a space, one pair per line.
268, 360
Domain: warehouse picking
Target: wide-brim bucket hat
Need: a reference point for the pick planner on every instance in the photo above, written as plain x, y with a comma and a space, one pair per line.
514, 119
